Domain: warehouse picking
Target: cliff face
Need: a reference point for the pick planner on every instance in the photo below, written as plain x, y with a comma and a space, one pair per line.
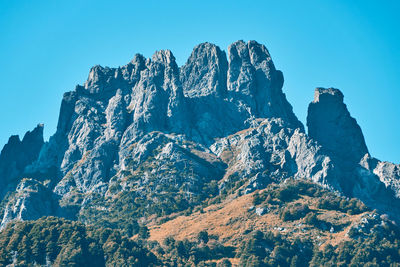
329, 122
150, 128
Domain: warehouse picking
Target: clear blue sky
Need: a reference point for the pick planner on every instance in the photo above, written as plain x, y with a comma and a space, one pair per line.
46, 48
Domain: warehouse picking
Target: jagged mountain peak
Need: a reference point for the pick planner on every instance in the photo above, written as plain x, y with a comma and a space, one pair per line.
138, 59
331, 125
35, 135
164, 56
204, 52
205, 72
32, 140
16, 155
206, 99
252, 51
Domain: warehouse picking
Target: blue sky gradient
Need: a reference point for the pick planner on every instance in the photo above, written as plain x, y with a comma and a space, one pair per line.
47, 47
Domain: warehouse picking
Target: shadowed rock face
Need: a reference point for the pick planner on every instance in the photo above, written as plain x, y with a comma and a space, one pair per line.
329, 122
220, 118
17, 155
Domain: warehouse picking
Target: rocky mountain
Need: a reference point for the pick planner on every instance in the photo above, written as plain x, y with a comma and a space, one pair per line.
150, 139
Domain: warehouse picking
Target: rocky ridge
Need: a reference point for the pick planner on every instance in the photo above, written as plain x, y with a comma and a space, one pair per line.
151, 128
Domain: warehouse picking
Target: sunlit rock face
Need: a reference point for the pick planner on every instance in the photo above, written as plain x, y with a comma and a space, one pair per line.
209, 97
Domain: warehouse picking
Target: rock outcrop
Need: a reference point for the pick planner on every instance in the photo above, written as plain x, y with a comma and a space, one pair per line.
32, 200
274, 151
361, 176
329, 122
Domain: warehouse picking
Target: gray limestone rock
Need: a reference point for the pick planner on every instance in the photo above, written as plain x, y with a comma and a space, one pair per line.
254, 83
205, 72
274, 151
30, 201
225, 96
389, 174
161, 167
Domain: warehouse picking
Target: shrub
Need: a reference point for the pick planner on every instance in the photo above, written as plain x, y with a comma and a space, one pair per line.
332, 202
287, 193
203, 237
144, 232
311, 218
257, 199
294, 212
224, 263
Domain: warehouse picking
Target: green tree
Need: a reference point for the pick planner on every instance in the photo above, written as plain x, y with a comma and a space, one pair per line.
144, 232
203, 237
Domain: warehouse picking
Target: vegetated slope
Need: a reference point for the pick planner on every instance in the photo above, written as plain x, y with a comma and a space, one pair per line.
284, 208
296, 211
295, 223
54, 241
